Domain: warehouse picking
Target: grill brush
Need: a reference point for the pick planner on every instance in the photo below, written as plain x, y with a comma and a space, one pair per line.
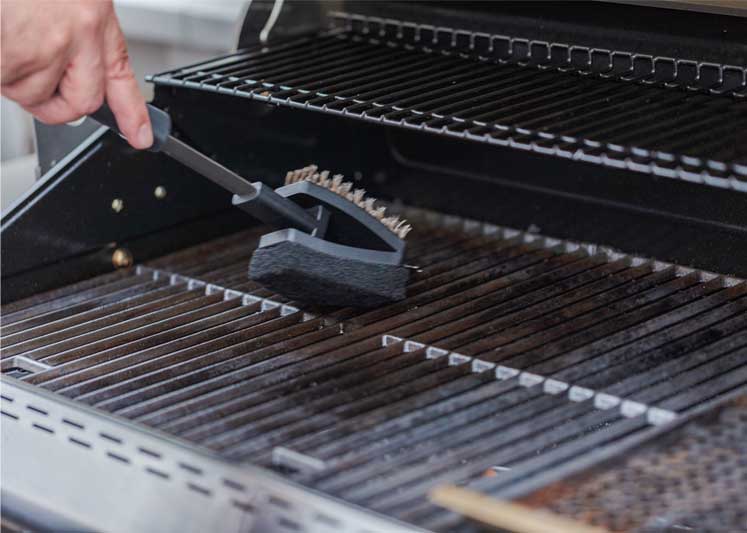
332, 246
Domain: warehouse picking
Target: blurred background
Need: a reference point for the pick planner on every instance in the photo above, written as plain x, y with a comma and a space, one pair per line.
161, 34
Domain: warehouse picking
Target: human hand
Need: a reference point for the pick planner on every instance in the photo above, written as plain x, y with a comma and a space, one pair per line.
61, 59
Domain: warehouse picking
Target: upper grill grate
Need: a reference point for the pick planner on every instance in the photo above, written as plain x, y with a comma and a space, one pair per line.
625, 115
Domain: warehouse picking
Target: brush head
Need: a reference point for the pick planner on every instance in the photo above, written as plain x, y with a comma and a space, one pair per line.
346, 190
313, 276
353, 258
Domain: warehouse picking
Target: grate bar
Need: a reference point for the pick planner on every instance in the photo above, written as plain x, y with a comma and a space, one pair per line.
479, 456
616, 336
105, 373
266, 332
96, 323
67, 325
61, 294
115, 292
199, 306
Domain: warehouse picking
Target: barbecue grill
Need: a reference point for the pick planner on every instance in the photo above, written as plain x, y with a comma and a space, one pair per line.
574, 336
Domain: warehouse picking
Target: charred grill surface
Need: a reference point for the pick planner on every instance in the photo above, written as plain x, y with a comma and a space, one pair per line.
511, 355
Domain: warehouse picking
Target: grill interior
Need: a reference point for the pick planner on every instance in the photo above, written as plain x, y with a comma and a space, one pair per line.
512, 355
671, 117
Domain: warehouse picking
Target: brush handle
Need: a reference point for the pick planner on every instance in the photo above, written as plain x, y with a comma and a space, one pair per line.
160, 121
280, 212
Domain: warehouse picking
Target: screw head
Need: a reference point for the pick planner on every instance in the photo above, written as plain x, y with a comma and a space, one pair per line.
122, 258
117, 205
160, 192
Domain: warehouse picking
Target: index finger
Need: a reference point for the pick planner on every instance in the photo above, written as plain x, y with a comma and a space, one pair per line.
122, 92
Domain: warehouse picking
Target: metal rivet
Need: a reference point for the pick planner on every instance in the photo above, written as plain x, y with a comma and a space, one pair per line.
117, 205
160, 192
122, 258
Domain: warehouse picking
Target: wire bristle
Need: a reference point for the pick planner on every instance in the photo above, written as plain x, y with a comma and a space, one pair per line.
390, 222
404, 231
338, 185
344, 189
357, 196
368, 205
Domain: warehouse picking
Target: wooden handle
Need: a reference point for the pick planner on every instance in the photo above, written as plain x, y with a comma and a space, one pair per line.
505, 515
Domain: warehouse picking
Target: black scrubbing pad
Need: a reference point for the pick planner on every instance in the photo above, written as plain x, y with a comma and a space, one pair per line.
307, 275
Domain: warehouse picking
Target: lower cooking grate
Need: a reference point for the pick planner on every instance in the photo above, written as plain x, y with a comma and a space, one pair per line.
512, 355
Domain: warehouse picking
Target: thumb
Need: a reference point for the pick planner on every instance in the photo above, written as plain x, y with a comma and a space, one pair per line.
122, 92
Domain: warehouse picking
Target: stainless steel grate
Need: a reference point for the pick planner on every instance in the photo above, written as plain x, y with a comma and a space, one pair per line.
624, 111
511, 355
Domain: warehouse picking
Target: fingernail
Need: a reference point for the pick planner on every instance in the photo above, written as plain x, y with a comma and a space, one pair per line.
144, 137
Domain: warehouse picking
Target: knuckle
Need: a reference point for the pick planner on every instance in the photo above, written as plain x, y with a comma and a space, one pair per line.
119, 65
89, 19
120, 69
56, 42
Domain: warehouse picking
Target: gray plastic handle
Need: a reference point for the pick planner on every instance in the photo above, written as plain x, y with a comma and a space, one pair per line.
159, 120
